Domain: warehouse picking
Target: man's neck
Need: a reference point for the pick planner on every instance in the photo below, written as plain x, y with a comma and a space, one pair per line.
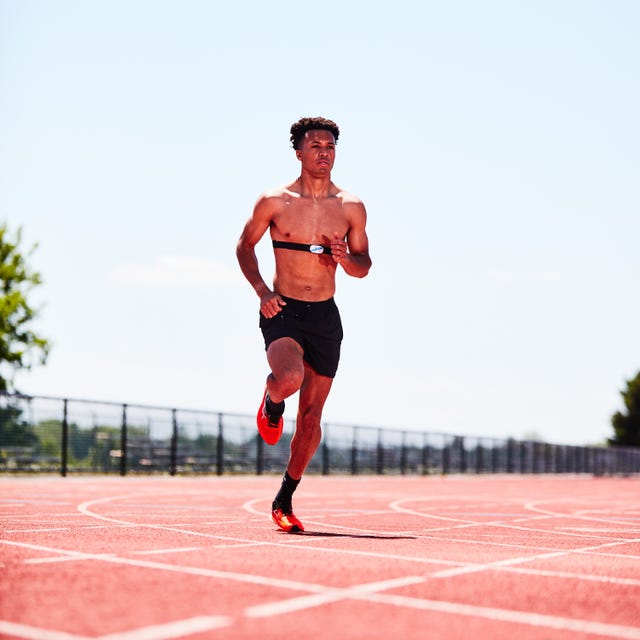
314, 187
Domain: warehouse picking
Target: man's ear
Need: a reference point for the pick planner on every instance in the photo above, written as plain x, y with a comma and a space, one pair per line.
299, 154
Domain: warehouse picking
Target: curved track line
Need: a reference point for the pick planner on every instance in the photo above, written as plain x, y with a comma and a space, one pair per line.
532, 506
501, 523
299, 541
455, 568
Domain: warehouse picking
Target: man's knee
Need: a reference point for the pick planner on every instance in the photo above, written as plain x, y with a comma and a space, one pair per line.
310, 416
289, 380
287, 366
308, 433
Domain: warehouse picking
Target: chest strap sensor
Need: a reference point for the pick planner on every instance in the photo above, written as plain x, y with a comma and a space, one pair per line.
296, 246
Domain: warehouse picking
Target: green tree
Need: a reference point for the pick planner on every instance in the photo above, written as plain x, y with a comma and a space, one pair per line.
627, 426
14, 431
20, 347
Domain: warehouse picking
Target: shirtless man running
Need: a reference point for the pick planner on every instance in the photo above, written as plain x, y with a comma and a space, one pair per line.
315, 226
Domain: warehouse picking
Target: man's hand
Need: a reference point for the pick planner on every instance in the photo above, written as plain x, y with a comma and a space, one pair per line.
271, 304
338, 248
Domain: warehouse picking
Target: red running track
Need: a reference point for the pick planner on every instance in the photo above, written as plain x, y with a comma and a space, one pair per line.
499, 557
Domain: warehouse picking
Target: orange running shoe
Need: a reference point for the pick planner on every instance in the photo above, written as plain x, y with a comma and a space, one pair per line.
286, 521
270, 429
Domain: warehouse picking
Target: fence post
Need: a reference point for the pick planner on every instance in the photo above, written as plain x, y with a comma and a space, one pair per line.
173, 450
123, 442
537, 464
259, 455
479, 457
380, 455
65, 440
446, 458
326, 462
510, 445
522, 457
354, 452
494, 456
220, 447
547, 458
462, 452
426, 451
325, 451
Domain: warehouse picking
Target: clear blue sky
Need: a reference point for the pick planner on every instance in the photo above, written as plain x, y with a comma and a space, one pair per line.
495, 145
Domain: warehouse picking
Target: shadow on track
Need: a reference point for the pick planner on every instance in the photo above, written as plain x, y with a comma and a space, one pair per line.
330, 534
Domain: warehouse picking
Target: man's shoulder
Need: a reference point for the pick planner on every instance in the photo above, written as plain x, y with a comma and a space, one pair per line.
276, 194
347, 197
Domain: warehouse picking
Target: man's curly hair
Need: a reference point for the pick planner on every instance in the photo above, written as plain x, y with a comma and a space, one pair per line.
298, 129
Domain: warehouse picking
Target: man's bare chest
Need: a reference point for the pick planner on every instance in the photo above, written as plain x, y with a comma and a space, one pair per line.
308, 221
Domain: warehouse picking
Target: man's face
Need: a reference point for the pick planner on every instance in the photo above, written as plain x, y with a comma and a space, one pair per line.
317, 151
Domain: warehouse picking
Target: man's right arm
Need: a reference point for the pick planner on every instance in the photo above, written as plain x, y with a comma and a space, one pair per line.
254, 229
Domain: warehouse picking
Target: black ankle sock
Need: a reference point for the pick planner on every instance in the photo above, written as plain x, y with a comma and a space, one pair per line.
283, 497
274, 409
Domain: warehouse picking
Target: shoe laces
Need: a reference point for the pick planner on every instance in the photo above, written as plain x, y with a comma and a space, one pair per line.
286, 509
271, 421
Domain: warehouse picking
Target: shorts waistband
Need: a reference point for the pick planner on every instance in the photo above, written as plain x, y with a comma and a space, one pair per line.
307, 303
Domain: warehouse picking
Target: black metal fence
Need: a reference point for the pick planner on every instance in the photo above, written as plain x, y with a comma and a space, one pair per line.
65, 436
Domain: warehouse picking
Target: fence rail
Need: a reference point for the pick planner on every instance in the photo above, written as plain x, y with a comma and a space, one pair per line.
66, 436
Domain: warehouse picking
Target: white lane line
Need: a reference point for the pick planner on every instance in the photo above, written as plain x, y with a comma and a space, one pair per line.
249, 506
507, 615
152, 552
238, 545
62, 554
83, 508
623, 556
627, 582
37, 530
330, 595
183, 569
34, 633
175, 629
474, 568
596, 530
510, 525
58, 559
396, 506
579, 515
462, 522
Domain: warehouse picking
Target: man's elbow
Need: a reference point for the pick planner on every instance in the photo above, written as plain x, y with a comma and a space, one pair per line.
364, 268
242, 248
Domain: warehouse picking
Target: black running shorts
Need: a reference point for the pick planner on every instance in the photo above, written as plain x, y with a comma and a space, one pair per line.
315, 326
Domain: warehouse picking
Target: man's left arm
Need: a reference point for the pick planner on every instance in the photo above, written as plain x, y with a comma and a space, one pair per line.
353, 253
